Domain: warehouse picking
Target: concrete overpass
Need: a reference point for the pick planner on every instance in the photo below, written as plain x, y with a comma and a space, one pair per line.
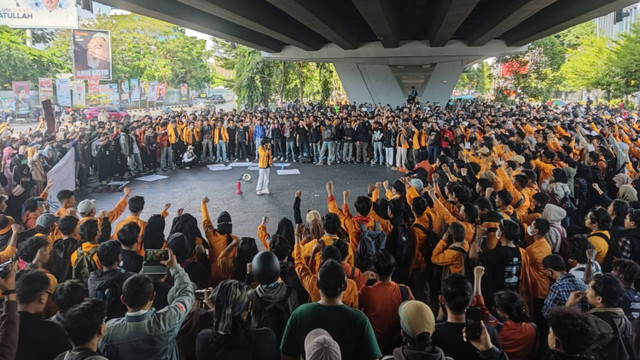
380, 48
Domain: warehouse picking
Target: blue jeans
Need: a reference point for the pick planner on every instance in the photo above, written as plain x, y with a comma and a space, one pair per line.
378, 154
166, 158
316, 151
432, 153
258, 142
304, 148
291, 149
221, 148
328, 151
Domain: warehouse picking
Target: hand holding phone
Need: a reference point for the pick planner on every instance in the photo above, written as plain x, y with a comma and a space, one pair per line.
156, 255
473, 323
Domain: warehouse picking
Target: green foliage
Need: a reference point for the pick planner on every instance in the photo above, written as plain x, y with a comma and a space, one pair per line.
22, 62
624, 64
257, 80
583, 69
574, 36
149, 49
477, 78
543, 60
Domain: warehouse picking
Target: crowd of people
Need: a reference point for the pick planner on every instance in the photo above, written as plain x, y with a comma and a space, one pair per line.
511, 232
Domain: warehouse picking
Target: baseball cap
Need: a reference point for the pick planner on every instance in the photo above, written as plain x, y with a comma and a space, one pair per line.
45, 220
319, 345
416, 318
86, 206
484, 150
519, 159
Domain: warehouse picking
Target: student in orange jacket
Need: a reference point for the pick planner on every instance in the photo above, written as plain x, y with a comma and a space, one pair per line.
353, 224
265, 162
218, 240
451, 249
310, 279
537, 251
136, 205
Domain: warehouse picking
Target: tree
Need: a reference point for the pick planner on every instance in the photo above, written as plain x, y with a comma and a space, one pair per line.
22, 62
477, 78
543, 60
149, 49
585, 67
625, 64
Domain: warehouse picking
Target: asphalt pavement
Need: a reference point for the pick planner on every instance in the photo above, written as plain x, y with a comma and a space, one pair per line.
186, 188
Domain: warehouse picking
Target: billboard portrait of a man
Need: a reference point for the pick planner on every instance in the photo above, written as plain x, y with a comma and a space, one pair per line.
92, 54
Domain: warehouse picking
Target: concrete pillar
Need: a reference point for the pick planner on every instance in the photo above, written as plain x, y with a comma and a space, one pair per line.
378, 84
370, 83
441, 83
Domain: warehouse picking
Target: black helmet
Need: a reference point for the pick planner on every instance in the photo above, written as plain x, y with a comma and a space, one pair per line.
265, 267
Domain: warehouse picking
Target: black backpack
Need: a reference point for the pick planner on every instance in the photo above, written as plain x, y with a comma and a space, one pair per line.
619, 347
467, 268
61, 258
276, 315
429, 244
401, 246
370, 242
110, 292
84, 264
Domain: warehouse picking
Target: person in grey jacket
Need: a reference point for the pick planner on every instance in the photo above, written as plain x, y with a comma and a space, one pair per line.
144, 332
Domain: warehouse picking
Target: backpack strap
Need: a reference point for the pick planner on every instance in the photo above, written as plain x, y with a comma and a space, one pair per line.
517, 205
404, 292
422, 228
353, 273
602, 236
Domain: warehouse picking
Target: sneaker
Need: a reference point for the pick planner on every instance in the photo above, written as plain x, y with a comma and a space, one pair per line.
329, 163
266, 191
188, 168
246, 160
258, 192
319, 163
294, 160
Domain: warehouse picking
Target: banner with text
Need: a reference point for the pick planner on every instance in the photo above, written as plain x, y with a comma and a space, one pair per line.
91, 54
63, 90
79, 93
124, 90
94, 86
153, 91
33, 14
21, 97
45, 88
135, 90
162, 87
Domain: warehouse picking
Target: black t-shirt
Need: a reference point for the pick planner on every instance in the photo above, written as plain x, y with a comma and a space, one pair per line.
131, 261
503, 268
261, 344
303, 134
231, 131
39, 338
448, 337
242, 133
630, 303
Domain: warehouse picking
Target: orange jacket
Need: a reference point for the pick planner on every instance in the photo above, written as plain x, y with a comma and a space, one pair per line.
264, 157
540, 282
309, 280
220, 134
217, 244
444, 255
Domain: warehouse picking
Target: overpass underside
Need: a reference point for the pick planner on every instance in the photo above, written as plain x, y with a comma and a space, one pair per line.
380, 48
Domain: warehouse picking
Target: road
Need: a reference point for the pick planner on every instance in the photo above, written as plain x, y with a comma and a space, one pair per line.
24, 127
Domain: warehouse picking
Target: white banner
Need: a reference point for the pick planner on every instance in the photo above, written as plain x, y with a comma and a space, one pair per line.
63, 175
153, 89
39, 14
63, 89
79, 93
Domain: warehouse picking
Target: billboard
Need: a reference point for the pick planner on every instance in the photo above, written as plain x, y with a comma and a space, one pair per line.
45, 88
21, 97
144, 87
79, 93
113, 93
91, 54
39, 14
124, 90
135, 90
162, 87
153, 91
94, 86
184, 91
63, 90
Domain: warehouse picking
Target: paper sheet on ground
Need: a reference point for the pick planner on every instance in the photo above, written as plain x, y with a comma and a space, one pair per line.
281, 164
238, 164
289, 172
219, 167
152, 177
253, 168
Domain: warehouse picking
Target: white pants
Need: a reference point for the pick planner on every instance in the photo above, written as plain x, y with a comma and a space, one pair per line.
263, 179
401, 157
